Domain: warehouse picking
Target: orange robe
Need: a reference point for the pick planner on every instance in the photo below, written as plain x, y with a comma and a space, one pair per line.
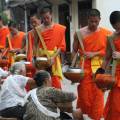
3, 34
53, 37
15, 43
90, 98
112, 108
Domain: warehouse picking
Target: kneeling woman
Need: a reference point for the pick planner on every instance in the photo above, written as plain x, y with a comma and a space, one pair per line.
43, 101
13, 92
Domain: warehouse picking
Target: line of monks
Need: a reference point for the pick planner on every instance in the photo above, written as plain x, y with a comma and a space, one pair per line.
94, 38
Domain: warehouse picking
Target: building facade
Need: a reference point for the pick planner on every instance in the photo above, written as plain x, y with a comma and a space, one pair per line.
71, 13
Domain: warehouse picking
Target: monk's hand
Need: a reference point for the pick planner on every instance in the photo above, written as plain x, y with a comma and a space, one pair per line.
116, 55
77, 114
90, 54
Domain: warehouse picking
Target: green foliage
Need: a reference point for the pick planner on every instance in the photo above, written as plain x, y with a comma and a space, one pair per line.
4, 18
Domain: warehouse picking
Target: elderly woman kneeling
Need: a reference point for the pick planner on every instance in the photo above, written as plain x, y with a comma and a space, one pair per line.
13, 92
43, 102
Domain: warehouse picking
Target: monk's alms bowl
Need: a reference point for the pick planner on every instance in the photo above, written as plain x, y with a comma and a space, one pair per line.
41, 62
75, 75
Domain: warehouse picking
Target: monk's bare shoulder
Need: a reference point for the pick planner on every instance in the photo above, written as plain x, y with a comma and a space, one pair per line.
84, 31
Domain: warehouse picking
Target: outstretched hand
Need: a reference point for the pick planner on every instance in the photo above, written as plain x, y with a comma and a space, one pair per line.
77, 114
90, 54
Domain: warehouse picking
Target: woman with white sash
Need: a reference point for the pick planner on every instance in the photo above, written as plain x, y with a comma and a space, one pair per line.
13, 92
43, 101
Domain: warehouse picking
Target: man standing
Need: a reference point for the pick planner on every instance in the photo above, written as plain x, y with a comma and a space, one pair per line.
90, 98
54, 38
32, 37
4, 31
14, 40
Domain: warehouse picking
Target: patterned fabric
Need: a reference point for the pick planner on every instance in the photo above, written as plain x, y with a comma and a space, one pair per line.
48, 97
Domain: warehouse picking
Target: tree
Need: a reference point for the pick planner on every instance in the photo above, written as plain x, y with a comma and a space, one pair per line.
4, 17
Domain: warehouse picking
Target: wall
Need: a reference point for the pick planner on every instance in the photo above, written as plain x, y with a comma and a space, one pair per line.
106, 7
74, 19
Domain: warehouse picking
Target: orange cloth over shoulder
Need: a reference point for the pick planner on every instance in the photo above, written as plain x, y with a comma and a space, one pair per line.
16, 41
53, 37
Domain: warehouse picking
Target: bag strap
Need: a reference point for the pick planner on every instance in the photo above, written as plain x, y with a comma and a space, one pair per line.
114, 61
9, 42
42, 40
80, 38
7, 49
74, 59
36, 45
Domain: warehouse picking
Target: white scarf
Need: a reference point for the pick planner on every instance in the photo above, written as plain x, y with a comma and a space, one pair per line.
41, 107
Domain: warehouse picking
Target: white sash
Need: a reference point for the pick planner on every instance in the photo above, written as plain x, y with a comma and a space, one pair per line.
41, 107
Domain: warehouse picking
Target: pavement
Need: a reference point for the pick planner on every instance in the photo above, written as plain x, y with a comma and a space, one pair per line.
67, 86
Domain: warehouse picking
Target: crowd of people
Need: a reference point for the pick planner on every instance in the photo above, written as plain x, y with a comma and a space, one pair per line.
39, 95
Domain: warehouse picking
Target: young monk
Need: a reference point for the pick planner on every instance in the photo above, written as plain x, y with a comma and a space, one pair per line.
112, 108
14, 40
54, 38
90, 98
32, 37
4, 31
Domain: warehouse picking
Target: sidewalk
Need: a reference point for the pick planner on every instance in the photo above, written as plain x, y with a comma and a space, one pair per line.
67, 86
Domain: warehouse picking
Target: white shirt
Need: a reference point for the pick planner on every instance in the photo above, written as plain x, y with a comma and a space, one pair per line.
3, 73
13, 91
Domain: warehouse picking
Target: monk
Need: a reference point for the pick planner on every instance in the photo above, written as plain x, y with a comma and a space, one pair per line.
93, 38
112, 108
14, 40
4, 31
54, 38
30, 47
32, 37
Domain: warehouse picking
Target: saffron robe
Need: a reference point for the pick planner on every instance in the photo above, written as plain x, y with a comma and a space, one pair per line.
14, 42
3, 34
90, 98
112, 107
54, 38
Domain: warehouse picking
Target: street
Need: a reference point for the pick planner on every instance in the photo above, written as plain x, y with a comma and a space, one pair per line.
67, 86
